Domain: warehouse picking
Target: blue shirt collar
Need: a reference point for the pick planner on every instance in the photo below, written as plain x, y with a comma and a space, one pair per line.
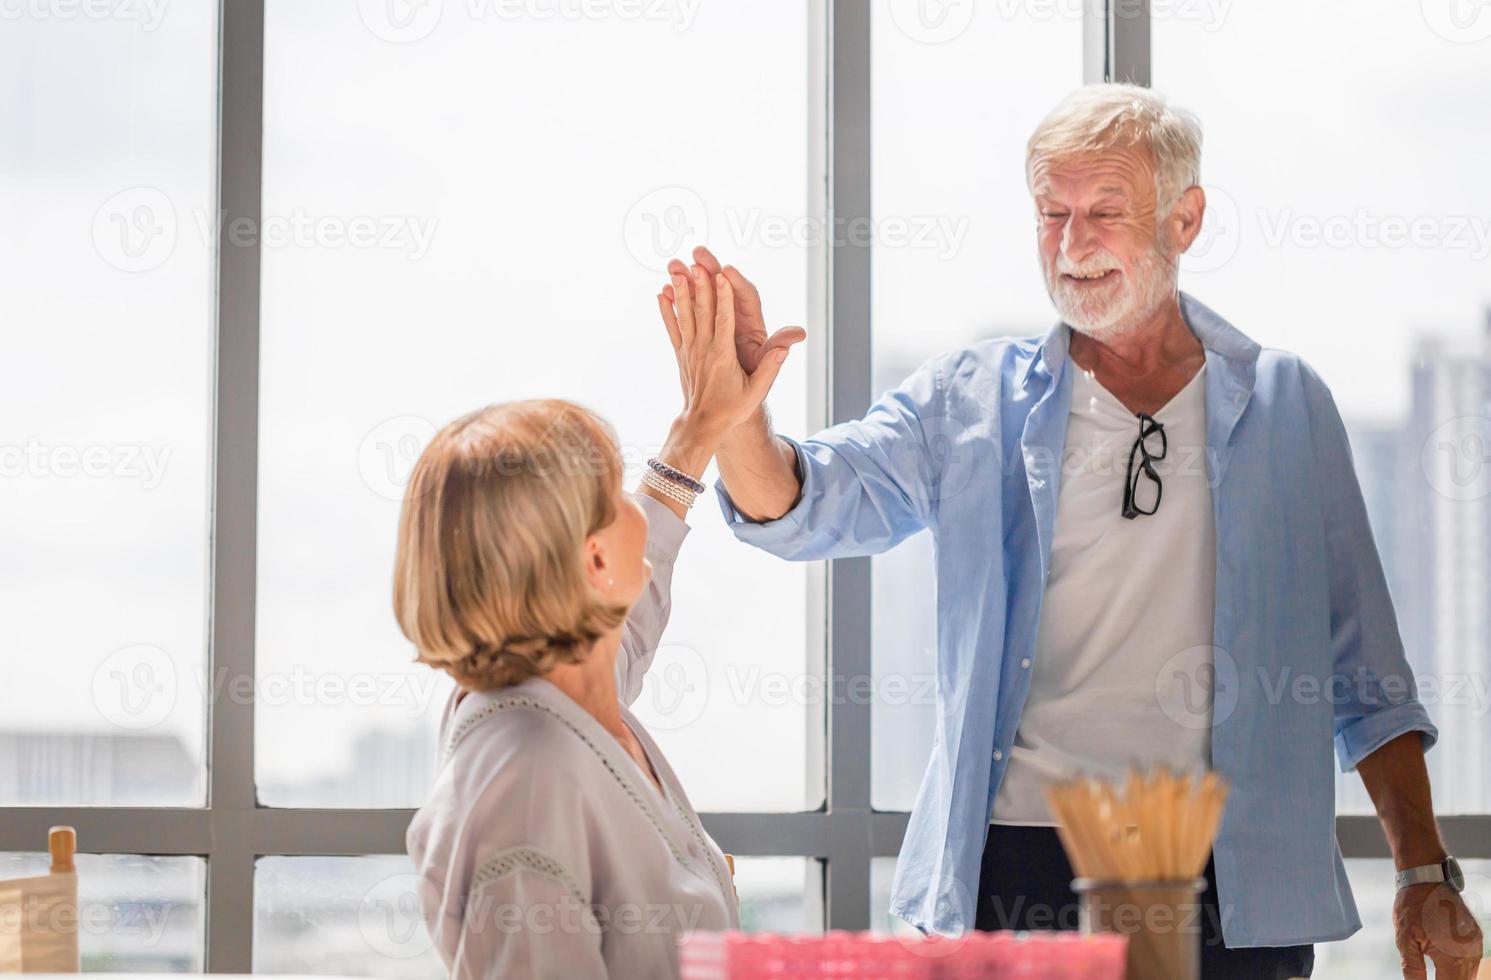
1216, 335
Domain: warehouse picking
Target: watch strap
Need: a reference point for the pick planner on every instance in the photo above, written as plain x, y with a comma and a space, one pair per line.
1424, 874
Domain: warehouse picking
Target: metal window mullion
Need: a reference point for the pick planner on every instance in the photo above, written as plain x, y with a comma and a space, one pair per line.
231, 797
848, 884
1115, 41
179, 830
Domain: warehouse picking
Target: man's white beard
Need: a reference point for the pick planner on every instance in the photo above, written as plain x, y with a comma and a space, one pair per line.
1101, 314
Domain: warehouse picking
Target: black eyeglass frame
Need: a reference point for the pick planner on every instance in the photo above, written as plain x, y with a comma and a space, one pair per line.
1147, 428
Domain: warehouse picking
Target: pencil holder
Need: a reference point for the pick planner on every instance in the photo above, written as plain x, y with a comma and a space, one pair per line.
1162, 920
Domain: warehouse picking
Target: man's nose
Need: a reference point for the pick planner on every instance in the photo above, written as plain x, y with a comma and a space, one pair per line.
1078, 238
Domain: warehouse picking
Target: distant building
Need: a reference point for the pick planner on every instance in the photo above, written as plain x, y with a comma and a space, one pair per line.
1447, 473
106, 769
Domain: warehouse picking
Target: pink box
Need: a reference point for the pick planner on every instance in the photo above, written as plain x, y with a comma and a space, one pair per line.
870, 956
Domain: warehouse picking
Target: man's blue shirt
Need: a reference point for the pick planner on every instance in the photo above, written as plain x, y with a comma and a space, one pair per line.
1306, 645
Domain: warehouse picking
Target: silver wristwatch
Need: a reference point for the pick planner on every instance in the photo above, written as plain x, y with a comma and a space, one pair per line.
1448, 871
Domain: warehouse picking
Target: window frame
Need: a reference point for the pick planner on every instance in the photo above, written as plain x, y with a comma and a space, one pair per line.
232, 830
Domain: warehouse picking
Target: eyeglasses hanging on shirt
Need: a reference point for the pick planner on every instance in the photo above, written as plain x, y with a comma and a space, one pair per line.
1142, 485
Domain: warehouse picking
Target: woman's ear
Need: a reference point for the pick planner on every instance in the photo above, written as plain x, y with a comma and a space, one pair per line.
598, 566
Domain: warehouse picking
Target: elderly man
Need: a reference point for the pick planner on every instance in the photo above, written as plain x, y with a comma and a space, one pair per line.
1142, 500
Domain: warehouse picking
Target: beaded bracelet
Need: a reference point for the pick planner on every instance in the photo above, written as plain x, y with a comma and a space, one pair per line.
669, 489
676, 475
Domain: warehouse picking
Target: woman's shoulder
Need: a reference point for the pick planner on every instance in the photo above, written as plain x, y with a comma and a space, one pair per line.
523, 729
509, 758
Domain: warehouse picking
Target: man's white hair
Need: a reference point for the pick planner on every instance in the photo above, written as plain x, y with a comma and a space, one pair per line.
1109, 116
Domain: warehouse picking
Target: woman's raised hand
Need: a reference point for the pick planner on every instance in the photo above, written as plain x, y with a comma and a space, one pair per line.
699, 309
752, 343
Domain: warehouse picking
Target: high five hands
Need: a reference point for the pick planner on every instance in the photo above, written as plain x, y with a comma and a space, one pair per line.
726, 360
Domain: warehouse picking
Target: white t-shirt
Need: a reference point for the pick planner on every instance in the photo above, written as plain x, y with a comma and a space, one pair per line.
1122, 662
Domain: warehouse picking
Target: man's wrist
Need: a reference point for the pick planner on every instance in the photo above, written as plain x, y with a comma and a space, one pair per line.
1417, 858
691, 444
752, 432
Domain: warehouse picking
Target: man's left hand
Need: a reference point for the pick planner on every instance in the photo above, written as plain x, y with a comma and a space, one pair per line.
1432, 921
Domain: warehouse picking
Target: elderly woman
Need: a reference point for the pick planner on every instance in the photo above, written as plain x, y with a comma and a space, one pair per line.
557, 841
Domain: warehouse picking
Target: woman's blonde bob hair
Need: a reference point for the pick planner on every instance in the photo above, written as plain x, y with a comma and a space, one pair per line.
489, 582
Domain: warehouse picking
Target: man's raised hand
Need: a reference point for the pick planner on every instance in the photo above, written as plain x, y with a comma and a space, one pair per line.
752, 342
718, 393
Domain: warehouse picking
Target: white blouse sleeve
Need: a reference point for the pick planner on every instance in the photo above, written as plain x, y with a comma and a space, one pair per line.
644, 626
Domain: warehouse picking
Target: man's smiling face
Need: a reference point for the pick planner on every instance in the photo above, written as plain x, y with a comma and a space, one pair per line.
1105, 268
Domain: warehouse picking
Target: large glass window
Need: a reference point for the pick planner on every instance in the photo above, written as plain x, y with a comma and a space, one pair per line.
957, 95
468, 202
107, 199
136, 913
1349, 221
360, 916
524, 180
